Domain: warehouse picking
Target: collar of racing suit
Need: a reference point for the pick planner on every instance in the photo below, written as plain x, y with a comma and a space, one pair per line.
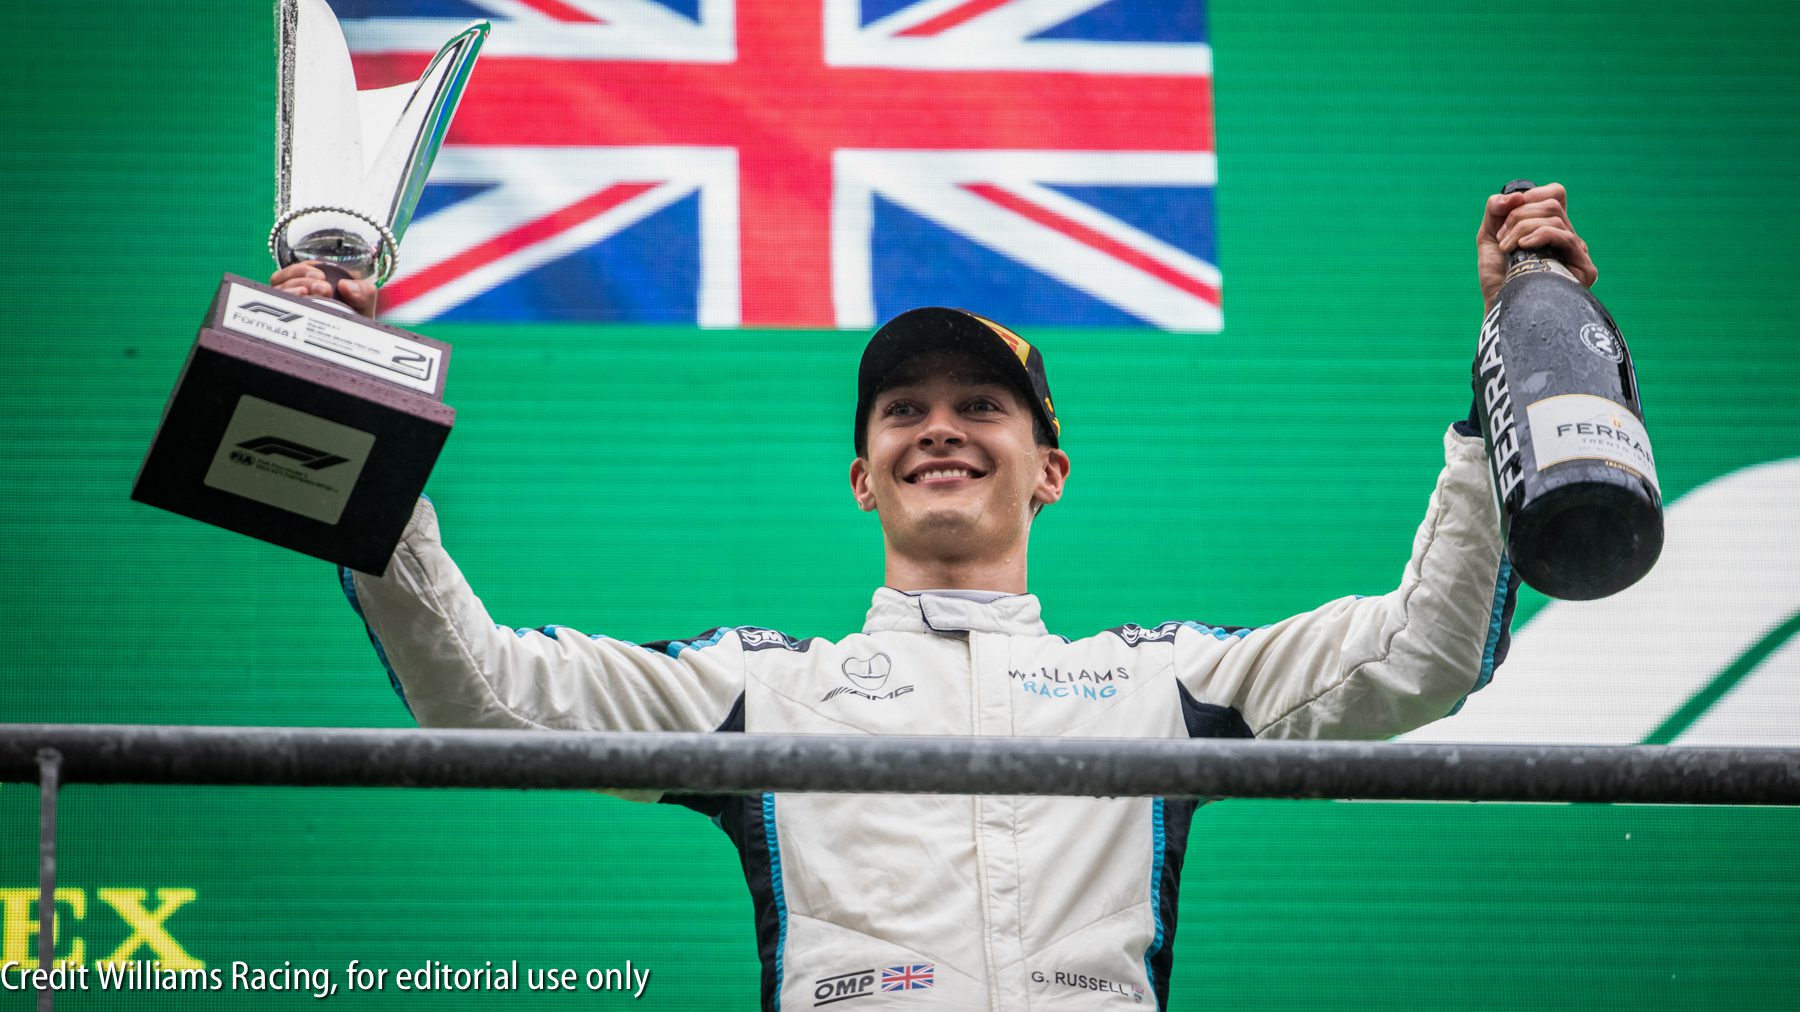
928, 611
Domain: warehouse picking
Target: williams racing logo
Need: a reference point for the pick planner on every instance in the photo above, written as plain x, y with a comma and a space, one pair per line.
868, 676
1071, 683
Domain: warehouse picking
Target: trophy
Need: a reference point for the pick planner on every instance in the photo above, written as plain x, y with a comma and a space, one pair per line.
295, 420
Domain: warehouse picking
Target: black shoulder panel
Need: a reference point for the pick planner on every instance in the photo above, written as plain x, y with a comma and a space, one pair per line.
747, 820
673, 647
1209, 720
711, 805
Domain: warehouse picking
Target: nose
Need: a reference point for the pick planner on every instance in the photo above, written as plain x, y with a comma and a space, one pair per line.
943, 427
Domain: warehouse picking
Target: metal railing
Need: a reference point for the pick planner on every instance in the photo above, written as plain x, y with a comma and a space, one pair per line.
54, 754
886, 764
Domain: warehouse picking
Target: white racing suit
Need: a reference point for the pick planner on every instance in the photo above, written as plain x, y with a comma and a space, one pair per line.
970, 902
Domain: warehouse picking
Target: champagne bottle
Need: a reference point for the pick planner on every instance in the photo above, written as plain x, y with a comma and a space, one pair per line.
1558, 402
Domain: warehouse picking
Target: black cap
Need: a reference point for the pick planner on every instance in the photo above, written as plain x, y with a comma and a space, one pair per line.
935, 328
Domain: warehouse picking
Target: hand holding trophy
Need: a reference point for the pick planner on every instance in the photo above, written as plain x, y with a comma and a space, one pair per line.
294, 420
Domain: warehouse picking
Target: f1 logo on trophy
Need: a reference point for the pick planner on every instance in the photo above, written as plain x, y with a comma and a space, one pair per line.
294, 420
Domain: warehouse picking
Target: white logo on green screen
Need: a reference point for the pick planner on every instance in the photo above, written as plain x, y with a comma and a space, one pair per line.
1704, 651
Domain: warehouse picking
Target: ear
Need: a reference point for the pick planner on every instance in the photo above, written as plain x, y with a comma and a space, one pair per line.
860, 486
1054, 477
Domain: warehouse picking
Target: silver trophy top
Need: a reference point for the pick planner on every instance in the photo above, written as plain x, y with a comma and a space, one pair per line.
349, 164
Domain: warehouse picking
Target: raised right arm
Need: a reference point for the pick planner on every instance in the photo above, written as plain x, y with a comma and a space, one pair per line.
456, 668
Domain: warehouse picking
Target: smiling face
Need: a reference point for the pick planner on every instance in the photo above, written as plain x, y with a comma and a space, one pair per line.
953, 468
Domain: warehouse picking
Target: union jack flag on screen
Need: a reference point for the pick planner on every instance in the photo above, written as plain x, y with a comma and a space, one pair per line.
812, 163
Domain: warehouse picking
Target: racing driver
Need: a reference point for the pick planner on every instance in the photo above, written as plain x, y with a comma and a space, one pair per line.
991, 902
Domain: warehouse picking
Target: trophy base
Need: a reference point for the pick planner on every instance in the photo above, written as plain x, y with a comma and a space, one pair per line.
301, 426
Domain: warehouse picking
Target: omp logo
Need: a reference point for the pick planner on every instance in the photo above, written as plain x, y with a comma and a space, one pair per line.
145, 927
309, 458
281, 313
843, 987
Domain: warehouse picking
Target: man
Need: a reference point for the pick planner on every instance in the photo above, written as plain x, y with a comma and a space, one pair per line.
994, 902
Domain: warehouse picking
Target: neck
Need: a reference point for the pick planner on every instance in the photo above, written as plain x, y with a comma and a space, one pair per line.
1005, 574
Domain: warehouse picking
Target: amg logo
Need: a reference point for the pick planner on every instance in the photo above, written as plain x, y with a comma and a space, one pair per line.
845, 690
281, 313
309, 458
867, 675
843, 987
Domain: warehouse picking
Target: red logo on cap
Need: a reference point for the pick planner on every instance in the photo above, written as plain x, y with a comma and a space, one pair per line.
1019, 345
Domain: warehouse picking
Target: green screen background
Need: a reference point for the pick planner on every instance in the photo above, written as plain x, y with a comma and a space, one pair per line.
654, 482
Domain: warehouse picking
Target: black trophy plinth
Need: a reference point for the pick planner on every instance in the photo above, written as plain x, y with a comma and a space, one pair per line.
301, 425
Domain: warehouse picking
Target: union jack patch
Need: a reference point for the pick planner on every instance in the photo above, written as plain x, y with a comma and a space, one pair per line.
909, 977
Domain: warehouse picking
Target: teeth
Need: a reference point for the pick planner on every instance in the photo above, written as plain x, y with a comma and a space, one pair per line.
946, 473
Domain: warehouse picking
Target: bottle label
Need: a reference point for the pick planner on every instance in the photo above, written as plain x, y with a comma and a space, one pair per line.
1585, 427
1602, 342
1534, 265
1497, 412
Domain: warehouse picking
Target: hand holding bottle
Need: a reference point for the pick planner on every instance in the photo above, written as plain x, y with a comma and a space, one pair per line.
1534, 219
